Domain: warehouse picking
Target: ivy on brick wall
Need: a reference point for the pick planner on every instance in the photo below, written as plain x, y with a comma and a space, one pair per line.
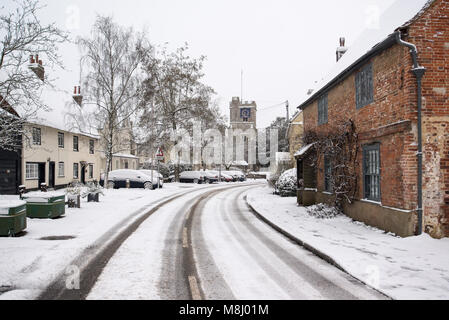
339, 146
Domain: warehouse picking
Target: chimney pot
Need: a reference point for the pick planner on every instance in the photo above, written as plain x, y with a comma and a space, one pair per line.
74, 92
79, 89
342, 41
40, 62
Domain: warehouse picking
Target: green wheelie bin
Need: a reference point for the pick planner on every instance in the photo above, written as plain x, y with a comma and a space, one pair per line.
13, 217
44, 205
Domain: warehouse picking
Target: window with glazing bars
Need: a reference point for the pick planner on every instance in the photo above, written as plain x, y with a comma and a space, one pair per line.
37, 136
322, 110
364, 86
75, 171
75, 144
372, 172
61, 140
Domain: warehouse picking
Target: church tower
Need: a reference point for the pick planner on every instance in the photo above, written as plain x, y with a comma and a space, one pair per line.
243, 115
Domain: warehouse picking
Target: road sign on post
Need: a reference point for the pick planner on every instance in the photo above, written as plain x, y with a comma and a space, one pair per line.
160, 155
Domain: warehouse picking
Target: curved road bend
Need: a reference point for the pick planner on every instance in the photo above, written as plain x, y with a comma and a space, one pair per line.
209, 245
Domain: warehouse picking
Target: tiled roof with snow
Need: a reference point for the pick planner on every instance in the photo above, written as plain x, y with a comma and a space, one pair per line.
303, 150
401, 13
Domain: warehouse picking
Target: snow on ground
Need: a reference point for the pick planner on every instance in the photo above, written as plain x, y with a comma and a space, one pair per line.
29, 264
403, 268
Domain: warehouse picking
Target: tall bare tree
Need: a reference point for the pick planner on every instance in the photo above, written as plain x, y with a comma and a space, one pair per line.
23, 35
114, 56
174, 89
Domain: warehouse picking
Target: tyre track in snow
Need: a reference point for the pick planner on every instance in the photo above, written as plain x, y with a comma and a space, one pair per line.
276, 267
180, 280
94, 258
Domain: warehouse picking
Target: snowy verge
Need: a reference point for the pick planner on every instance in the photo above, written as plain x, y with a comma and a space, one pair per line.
402, 268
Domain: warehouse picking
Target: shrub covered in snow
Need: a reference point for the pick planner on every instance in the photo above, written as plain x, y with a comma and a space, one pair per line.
323, 211
287, 184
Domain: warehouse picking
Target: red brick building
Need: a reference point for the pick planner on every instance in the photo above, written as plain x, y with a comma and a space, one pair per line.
375, 84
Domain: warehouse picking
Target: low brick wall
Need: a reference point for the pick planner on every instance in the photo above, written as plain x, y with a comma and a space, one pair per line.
399, 222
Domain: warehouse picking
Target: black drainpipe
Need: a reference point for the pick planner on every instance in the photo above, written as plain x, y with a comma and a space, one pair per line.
418, 71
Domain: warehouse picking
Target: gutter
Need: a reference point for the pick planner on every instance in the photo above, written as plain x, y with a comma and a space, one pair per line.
419, 72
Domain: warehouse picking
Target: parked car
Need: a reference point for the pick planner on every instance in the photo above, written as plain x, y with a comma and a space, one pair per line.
192, 177
210, 176
155, 176
226, 177
236, 175
117, 179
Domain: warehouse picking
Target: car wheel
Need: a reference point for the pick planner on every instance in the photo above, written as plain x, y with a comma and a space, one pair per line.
111, 185
196, 181
148, 186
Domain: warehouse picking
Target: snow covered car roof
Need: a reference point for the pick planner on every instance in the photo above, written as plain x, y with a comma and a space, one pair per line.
148, 173
191, 175
129, 174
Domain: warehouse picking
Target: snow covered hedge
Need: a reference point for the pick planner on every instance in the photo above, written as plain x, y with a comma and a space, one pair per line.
286, 184
323, 211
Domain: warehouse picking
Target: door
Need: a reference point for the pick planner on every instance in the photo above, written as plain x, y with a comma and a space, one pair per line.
41, 169
51, 174
83, 174
8, 177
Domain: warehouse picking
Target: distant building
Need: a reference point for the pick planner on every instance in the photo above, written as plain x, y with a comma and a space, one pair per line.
58, 157
295, 131
243, 116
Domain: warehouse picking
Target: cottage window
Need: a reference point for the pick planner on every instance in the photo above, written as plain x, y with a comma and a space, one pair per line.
91, 146
61, 170
91, 171
364, 86
37, 136
61, 140
322, 110
371, 169
75, 144
327, 174
75, 171
32, 171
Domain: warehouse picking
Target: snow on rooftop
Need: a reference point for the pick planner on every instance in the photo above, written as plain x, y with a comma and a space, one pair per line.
399, 14
303, 150
241, 163
124, 155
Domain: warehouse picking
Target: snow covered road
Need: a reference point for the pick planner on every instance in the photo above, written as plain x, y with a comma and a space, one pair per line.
209, 245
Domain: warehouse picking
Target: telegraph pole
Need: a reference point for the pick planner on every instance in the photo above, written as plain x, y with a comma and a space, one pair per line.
287, 105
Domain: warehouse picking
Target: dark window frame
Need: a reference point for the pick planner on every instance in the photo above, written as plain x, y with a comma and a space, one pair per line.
91, 171
76, 146
37, 134
364, 86
61, 145
323, 110
372, 172
59, 169
77, 165
91, 146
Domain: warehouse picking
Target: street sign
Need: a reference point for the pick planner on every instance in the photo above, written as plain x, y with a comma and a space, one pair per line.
160, 155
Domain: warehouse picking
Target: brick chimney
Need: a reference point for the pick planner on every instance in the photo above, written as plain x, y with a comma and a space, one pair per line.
341, 50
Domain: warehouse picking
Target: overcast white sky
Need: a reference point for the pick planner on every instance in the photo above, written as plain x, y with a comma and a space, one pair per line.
283, 46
